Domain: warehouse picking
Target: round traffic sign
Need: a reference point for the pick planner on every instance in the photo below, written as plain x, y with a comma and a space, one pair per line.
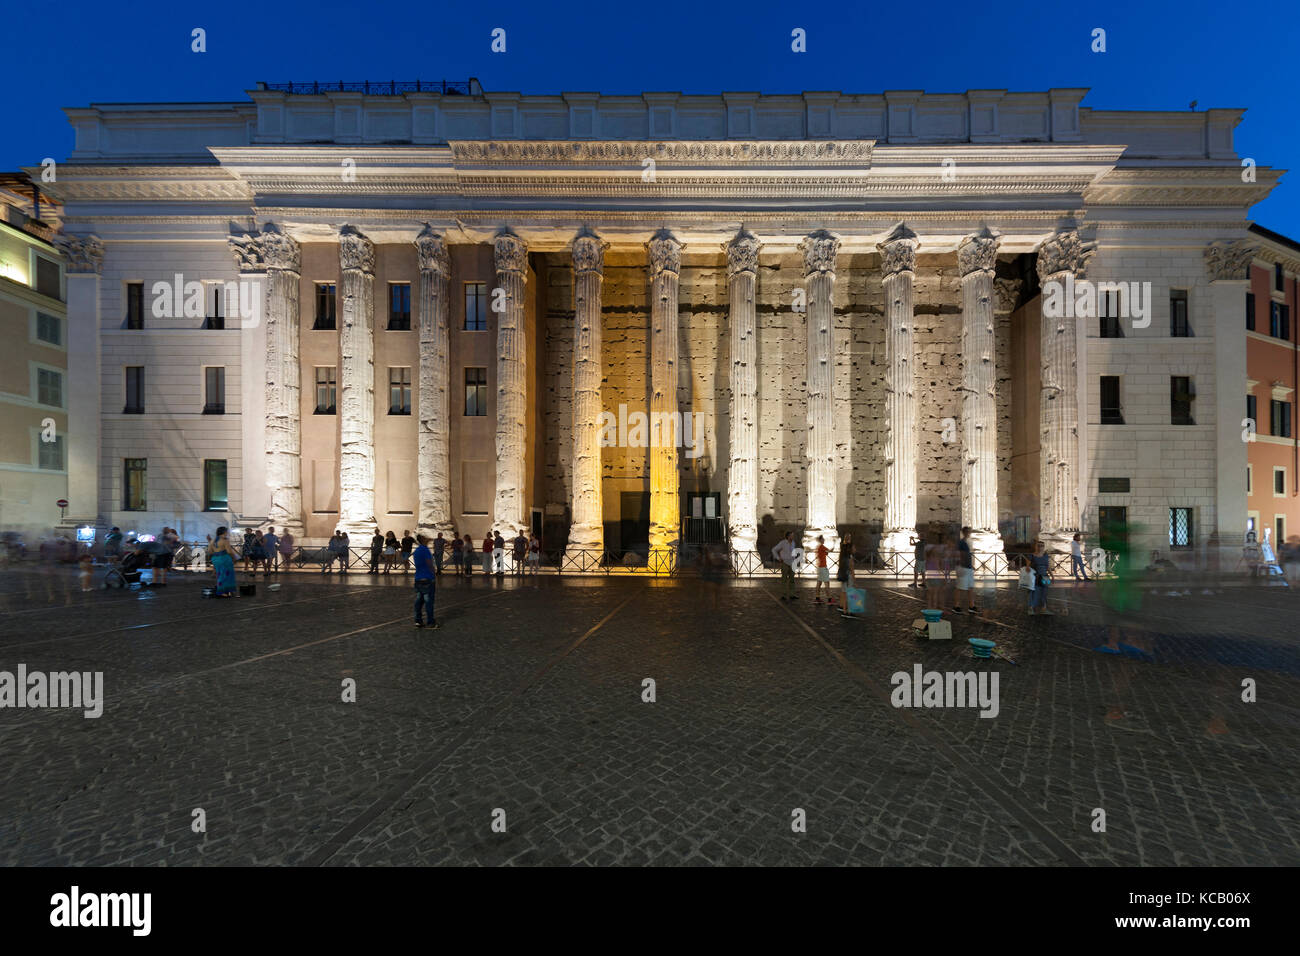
61, 503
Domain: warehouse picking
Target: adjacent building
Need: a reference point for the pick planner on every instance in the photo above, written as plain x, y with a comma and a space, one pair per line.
1272, 372
632, 321
34, 383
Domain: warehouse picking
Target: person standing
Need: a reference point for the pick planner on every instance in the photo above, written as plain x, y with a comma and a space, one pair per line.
784, 553
439, 549
345, 550
408, 545
425, 586
272, 545
390, 552
823, 571
376, 550
918, 559
498, 554
222, 558
534, 553
286, 548
457, 554
113, 544
1077, 566
933, 564
965, 575
471, 554
520, 552
247, 552
488, 542
1042, 568
844, 574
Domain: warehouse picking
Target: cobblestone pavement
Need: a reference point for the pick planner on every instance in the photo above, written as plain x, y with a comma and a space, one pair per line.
527, 706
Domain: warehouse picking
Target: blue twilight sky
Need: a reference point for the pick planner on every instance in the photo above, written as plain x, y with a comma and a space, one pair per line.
1158, 56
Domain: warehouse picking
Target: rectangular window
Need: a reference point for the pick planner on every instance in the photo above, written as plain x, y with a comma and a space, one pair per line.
1278, 283
47, 277
1279, 482
1111, 412
49, 329
215, 497
399, 307
49, 387
214, 391
475, 391
1180, 400
135, 473
1279, 419
327, 391
1110, 327
475, 306
1178, 324
134, 390
1250, 311
135, 305
50, 454
1180, 528
1251, 407
399, 391
214, 319
1112, 486
1279, 320
326, 303
1279, 528
1250, 479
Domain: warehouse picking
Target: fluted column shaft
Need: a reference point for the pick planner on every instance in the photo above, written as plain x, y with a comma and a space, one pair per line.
742, 472
510, 510
665, 254
433, 453
1062, 255
819, 251
976, 261
587, 528
356, 383
898, 263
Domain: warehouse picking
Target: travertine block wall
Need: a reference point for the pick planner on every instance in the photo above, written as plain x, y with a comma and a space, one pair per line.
703, 383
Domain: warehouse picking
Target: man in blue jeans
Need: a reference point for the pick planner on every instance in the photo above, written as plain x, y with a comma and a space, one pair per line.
424, 586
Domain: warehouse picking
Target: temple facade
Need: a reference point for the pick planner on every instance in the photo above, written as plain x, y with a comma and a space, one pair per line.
629, 322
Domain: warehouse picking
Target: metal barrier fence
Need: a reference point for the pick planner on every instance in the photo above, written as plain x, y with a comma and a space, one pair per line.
895, 565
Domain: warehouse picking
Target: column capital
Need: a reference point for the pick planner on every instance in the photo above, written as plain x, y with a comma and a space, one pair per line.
1228, 260
1064, 251
898, 250
510, 253
356, 252
978, 252
665, 253
84, 254
589, 253
819, 251
1006, 294
279, 249
742, 253
431, 251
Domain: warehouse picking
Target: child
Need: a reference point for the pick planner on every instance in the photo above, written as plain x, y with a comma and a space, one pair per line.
823, 572
86, 564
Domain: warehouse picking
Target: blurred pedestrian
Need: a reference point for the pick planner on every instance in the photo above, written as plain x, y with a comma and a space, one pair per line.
457, 554
1077, 566
408, 545
272, 545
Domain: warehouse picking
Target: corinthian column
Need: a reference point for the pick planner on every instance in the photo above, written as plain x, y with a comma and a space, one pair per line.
742, 473
356, 383
898, 264
1061, 255
84, 256
281, 259
666, 428
976, 260
587, 528
819, 251
434, 460
509, 512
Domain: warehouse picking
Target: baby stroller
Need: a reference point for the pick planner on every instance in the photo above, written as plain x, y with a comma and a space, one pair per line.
128, 570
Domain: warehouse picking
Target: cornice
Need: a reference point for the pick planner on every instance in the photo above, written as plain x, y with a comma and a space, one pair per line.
631, 153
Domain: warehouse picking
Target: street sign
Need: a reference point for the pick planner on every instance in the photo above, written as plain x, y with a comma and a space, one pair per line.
61, 503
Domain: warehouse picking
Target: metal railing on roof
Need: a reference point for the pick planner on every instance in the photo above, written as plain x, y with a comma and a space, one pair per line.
373, 87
